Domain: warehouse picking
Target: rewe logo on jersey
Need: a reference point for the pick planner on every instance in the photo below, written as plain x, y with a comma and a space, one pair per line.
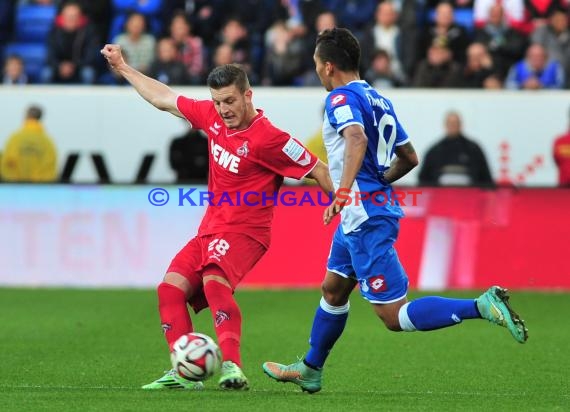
338, 99
378, 283
227, 160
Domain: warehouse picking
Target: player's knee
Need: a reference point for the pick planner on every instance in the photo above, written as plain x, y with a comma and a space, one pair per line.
168, 293
332, 297
218, 279
178, 281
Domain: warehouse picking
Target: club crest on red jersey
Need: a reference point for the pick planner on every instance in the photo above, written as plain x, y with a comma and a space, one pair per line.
243, 150
338, 99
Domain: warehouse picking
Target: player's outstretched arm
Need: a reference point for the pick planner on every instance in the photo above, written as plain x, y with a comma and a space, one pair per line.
156, 93
321, 174
406, 159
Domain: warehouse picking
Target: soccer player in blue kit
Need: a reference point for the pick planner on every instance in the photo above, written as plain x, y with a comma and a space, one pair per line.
362, 134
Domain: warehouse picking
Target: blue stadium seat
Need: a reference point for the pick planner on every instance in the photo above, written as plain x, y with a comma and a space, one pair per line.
463, 17
33, 54
33, 23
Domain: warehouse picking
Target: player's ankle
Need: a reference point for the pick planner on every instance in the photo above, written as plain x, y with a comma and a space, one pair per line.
308, 365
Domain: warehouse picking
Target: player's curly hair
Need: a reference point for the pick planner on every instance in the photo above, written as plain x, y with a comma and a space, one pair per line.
226, 75
339, 47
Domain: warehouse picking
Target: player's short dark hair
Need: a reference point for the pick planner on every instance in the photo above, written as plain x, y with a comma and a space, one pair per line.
339, 47
226, 75
34, 112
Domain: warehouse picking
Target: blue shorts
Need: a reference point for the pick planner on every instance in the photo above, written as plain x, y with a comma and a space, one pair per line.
368, 256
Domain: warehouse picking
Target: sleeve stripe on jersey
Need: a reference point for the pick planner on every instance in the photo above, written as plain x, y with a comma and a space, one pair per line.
403, 142
311, 169
344, 126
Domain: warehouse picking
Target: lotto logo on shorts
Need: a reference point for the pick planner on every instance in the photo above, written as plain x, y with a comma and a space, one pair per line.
377, 284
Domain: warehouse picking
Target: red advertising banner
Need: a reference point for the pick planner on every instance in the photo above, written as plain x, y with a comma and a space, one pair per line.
451, 238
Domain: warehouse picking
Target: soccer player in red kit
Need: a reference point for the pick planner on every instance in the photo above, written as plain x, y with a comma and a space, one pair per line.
248, 156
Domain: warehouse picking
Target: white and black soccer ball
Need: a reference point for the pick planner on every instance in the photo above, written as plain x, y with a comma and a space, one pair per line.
195, 356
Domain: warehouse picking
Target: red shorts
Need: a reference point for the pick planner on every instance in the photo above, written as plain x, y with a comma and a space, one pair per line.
231, 255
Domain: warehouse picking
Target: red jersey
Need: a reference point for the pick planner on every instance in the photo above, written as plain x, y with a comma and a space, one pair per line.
561, 153
246, 170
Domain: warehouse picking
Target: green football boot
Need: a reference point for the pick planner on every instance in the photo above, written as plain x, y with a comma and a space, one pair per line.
494, 306
171, 380
308, 379
232, 377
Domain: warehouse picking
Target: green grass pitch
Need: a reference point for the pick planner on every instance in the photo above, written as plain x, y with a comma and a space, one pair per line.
87, 350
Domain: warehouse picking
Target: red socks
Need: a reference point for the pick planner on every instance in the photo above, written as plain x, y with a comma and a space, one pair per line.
174, 315
227, 319
176, 321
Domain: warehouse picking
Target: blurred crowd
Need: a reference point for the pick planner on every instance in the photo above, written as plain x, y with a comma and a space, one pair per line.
516, 44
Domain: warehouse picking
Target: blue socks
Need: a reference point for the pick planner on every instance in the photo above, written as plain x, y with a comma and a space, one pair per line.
432, 312
423, 314
328, 325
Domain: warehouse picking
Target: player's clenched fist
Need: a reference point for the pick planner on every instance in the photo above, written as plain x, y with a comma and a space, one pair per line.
112, 52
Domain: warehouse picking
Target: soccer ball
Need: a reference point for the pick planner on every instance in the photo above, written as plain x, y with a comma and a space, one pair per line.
195, 356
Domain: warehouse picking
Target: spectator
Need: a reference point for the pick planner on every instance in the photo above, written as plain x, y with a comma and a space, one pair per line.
235, 34
190, 51
284, 59
539, 11
222, 55
136, 43
206, 18
258, 15
29, 154
385, 35
6, 21
561, 154
166, 68
555, 38
352, 14
188, 156
149, 8
99, 13
438, 70
493, 82
310, 11
455, 160
447, 31
457, 4
478, 68
506, 45
14, 72
73, 49
324, 20
410, 22
512, 10
380, 74
536, 71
